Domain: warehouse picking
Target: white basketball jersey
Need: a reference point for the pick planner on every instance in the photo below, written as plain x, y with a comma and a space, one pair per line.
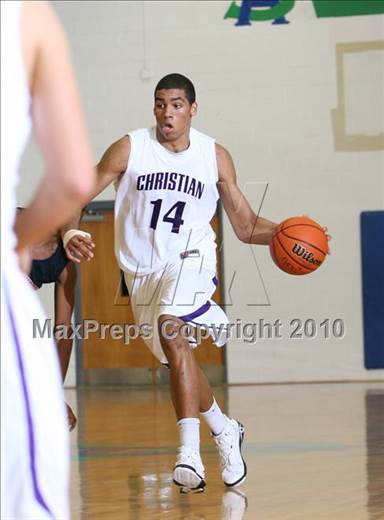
165, 202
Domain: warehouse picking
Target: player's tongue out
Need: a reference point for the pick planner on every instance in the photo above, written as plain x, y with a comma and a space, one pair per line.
167, 128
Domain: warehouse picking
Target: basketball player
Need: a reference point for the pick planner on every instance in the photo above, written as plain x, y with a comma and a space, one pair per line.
51, 264
38, 88
169, 179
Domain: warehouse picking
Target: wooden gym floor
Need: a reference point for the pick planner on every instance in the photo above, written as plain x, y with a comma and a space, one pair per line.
313, 452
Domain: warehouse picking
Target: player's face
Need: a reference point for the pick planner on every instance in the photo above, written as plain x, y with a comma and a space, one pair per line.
173, 113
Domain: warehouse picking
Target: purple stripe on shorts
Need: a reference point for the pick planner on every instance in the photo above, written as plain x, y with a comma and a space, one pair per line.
31, 435
215, 280
201, 310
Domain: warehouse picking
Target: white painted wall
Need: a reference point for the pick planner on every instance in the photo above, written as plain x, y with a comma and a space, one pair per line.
266, 93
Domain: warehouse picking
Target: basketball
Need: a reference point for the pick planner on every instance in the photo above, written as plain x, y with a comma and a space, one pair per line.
299, 245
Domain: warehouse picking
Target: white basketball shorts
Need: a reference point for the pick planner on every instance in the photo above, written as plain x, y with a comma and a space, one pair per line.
183, 289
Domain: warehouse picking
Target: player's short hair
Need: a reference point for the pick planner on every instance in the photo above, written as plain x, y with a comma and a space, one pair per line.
175, 80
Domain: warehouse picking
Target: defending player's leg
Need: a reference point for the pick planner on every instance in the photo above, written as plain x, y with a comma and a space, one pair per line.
189, 471
227, 433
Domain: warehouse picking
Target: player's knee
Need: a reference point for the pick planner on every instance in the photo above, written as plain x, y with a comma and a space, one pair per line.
169, 327
174, 344
175, 351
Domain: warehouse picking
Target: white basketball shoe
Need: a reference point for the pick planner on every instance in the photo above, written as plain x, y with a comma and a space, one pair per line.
189, 471
229, 441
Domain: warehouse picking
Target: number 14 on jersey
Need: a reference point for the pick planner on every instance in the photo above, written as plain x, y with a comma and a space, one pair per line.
173, 215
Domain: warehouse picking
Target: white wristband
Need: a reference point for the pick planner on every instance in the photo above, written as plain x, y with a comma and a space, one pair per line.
73, 232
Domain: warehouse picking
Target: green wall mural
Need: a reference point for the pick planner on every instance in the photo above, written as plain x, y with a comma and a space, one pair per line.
330, 8
248, 11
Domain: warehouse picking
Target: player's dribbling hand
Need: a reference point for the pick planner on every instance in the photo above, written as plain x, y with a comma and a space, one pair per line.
80, 248
329, 238
71, 418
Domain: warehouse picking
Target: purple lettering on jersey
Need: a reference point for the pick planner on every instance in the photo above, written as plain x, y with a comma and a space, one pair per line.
140, 182
199, 190
192, 188
149, 181
186, 183
172, 181
181, 178
159, 181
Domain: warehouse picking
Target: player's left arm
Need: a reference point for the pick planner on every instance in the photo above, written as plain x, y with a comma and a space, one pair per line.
249, 227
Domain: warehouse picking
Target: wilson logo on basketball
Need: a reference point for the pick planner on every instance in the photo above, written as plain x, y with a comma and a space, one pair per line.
299, 250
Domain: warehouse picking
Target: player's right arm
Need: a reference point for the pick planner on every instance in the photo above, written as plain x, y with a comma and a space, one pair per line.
112, 165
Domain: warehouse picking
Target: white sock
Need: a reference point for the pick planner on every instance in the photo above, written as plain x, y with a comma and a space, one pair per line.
190, 432
215, 418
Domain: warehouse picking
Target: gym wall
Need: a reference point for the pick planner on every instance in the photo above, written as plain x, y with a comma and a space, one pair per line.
300, 107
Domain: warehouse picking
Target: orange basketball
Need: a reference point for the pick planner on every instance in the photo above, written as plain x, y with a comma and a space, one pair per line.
299, 245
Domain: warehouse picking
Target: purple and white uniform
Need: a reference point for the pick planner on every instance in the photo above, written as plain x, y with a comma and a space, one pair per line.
164, 242
34, 437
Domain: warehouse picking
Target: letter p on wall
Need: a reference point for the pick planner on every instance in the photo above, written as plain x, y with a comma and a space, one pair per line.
259, 11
